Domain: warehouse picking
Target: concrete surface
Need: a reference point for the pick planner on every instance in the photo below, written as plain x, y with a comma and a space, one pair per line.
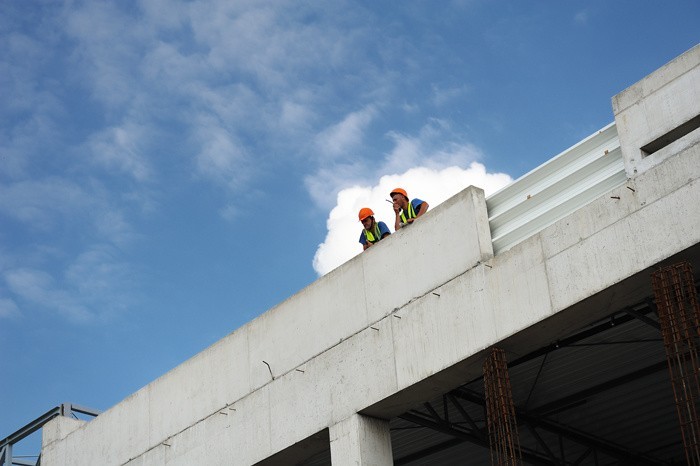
361, 441
388, 330
655, 106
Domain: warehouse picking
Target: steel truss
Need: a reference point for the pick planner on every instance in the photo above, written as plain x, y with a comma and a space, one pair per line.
467, 428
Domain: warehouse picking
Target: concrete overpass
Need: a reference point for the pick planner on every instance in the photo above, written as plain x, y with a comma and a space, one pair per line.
380, 361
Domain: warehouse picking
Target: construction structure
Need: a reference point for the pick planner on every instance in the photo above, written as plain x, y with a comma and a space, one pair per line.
554, 323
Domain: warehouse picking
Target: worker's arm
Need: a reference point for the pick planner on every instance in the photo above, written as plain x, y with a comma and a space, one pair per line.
397, 222
423, 208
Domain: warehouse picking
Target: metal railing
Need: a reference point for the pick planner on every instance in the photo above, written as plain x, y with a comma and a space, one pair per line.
6, 444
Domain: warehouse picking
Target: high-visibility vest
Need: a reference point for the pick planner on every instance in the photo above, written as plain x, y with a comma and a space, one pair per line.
411, 213
374, 235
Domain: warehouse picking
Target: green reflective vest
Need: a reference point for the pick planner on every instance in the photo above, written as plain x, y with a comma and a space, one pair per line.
374, 235
411, 213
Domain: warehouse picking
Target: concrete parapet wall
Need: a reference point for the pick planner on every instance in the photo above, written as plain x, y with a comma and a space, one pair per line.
294, 334
655, 107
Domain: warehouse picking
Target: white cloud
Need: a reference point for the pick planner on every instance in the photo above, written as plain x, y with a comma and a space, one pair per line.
429, 184
347, 134
38, 287
221, 157
92, 286
427, 149
581, 17
98, 279
121, 148
40, 203
112, 225
442, 96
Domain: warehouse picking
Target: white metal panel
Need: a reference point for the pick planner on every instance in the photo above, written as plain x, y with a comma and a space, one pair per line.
553, 190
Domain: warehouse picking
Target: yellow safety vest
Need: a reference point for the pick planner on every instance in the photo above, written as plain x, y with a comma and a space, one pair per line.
373, 236
411, 213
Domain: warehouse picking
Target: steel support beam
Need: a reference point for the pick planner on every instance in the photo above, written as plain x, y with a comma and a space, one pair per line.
576, 398
65, 409
579, 437
463, 435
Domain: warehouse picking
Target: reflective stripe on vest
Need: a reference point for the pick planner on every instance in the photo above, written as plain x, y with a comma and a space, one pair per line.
411, 213
374, 236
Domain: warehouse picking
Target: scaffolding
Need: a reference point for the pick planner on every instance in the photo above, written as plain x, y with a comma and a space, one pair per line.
679, 316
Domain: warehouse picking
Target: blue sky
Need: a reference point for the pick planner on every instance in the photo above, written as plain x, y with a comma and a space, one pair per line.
171, 169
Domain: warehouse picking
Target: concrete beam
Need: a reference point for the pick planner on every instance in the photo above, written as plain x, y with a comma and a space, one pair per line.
361, 441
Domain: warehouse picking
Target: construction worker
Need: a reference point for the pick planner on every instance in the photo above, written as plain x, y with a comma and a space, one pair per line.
373, 231
406, 212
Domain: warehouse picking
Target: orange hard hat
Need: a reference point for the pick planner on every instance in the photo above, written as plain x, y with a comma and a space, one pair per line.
399, 191
365, 212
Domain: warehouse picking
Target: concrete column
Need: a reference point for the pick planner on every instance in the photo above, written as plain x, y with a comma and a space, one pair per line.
658, 111
361, 441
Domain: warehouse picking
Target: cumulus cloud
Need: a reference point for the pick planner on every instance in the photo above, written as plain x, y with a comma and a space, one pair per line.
429, 184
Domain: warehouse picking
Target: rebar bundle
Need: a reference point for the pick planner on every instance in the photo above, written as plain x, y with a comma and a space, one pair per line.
500, 411
679, 317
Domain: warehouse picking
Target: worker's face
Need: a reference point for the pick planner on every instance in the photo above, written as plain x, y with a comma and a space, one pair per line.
399, 200
367, 222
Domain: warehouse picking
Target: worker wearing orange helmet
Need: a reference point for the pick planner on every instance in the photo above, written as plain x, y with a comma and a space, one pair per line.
406, 211
373, 231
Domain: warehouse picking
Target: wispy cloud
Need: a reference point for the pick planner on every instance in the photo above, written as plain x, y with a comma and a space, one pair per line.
221, 157
215, 91
8, 309
87, 288
582, 17
121, 150
435, 146
346, 135
39, 288
40, 204
442, 96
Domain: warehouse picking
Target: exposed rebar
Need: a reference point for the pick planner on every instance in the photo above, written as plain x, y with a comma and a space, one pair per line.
500, 411
679, 316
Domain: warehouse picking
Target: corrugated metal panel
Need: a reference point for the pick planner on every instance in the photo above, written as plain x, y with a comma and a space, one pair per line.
553, 190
